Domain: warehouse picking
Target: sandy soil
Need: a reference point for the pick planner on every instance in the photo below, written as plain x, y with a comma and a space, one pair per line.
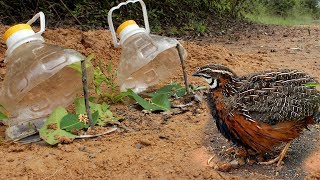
173, 147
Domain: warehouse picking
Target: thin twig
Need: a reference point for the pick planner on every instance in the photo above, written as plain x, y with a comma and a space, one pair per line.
96, 135
85, 92
50, 177
183, 68
70, 12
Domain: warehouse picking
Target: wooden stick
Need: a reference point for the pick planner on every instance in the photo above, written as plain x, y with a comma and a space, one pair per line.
85, 92
185, 77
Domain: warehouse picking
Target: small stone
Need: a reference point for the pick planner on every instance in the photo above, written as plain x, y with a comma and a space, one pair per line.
10, 160
273, 50
139, 145
91, 156
164, 137
83, 148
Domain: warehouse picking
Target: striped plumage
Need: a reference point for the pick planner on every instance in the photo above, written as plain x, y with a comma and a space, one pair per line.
261, 110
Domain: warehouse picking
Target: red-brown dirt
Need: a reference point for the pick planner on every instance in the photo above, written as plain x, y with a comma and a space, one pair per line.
175, 147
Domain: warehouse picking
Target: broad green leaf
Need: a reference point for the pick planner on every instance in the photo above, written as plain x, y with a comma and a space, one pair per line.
71, 122
162, 102
80, 106
51, 131
169, 90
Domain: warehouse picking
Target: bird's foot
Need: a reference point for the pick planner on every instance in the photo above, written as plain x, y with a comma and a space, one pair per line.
279, 158
272, 161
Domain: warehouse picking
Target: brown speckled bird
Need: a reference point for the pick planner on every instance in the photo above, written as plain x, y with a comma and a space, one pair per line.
263, 110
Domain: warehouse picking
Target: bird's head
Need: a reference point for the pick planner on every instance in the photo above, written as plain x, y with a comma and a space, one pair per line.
215, 74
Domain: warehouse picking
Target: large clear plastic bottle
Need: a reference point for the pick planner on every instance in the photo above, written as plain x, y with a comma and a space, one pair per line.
38, 79
145, 59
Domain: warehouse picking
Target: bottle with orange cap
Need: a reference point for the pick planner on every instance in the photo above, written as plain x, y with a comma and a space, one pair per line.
146, 59
39, 78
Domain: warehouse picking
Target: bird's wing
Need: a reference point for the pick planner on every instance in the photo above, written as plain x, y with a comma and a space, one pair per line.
276, 96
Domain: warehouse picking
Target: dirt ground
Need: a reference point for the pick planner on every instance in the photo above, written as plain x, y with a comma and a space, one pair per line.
158, 146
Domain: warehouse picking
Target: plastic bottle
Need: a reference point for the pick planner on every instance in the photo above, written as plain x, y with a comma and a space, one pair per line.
146, 59
38, 78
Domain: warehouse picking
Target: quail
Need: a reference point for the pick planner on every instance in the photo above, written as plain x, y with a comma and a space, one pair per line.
263, 110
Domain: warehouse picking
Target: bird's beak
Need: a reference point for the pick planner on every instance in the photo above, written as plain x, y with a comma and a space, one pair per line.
195, 73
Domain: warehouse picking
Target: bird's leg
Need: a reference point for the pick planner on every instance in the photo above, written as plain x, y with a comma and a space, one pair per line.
283, 153
280, 157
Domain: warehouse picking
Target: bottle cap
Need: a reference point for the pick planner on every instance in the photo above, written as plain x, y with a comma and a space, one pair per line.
17, 33
124, 25
127, 29
15, 29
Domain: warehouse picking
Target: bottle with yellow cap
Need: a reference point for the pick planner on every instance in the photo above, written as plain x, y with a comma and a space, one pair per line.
38, 78
146, 59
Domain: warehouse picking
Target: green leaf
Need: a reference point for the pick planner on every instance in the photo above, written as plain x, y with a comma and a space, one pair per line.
99, 77
312, 84
80, 106
77, 65
169, 90
3, 116
102, 109
108, 68
51, 131
71, 122
160, 102
142, 102
90, 57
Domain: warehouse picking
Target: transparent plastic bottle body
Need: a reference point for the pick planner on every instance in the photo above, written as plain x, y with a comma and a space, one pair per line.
38, 80
147, 59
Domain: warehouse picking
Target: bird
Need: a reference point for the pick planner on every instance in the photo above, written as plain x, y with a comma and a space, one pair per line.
263, 110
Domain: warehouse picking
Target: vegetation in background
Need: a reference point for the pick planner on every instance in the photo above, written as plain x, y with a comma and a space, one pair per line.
283, 12
170, 16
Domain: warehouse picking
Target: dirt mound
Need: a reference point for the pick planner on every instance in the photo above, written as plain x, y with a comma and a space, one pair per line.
158, 146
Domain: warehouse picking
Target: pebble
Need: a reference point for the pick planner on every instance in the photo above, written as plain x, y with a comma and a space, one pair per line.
91, 156
139, 145
83, 148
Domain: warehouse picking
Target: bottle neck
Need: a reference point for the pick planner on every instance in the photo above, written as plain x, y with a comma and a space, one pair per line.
130, 31
14, 43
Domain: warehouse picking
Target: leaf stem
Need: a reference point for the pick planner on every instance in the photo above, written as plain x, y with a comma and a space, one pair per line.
85, 92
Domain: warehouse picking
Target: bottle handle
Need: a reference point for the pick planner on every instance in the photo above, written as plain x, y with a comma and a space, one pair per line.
42, 21
111, 27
